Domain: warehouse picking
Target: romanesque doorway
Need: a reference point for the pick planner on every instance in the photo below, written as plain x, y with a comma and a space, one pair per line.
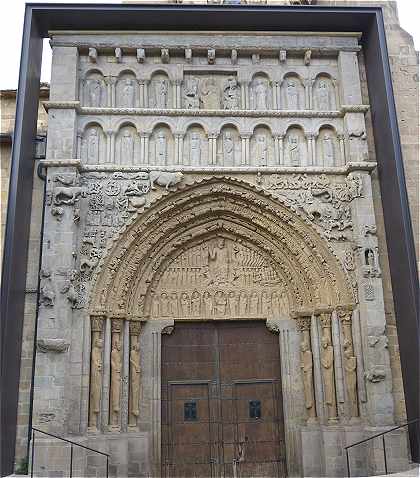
222, 401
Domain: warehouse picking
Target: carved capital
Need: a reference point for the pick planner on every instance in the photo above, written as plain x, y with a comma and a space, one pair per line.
116, 325
97, 323
303, 323
344, 313
168, 329
325, 319
135, 327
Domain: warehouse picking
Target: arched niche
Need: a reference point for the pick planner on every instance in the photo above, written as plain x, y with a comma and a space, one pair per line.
327, 148
262, 147
256, 229
161, 146
323, 92
261, 97
94, 90
229, 150
196, 149
295, 147
127, 145
93, 147
160, 92
126, 90
293, 92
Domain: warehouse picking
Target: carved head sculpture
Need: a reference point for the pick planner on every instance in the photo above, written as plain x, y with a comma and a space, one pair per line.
128, 82
228, 135
220, 242
93, 132
135, 346
304, 346
116, 344
322, 85
291, 84
206, 295
184, 297
98, 343
261, 138
293, 140
127, 134
161, 136
325, 341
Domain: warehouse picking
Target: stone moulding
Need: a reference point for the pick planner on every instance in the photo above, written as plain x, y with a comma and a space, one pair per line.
52, 345
278, 113
127, 275
337, 170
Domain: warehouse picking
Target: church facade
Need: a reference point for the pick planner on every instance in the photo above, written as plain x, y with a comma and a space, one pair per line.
214, 286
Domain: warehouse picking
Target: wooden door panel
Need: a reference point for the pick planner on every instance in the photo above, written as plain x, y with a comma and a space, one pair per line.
221, 401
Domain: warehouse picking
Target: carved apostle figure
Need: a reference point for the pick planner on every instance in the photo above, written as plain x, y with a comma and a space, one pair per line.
127, 148
174, 304
228, 149
233, 302
161, 93
184, 305
292, 94
253, 304
328, 147
327, 362
93, 147
306, 365
350, 367
210, 94
195, 149
94, 88
191, 99
208, 304
116, 368
195, 304
260, 92
294, 150
161, 148
220, 303
134, 379
127, 94
323, 95
243, 304
261, 150
95, 381
164, 305
231, 94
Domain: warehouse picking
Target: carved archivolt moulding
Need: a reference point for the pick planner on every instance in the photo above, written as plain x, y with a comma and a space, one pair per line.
304, 266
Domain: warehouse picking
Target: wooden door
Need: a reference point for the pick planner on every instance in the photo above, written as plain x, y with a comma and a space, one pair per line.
221, 401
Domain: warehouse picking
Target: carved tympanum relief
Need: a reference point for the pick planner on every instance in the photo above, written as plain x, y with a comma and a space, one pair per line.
219, 278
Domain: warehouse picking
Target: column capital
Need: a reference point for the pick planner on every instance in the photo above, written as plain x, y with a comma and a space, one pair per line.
116, 324
303, 323
135, 327
97, 322
110, 80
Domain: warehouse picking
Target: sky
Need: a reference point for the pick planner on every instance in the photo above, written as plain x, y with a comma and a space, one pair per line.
11, 23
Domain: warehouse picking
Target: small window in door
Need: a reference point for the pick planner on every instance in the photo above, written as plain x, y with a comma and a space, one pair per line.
255, 409
190, 411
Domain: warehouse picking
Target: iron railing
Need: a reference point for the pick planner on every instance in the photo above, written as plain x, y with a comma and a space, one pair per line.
72, 445
347, 448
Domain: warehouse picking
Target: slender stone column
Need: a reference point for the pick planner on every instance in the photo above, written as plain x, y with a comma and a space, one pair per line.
178, 101
146, 94
144, 148
327, 365
244, 95
341, 145
213, 148
245, 149
307, 365
281, 149
276, 150
96, 368
109, 135
109, 82
141, 93
308, 94
116, 371
336, 94
176, 136
134, 374
312, 159
112, 147
277, 94
349, 361
79, 144
174, 95
274, 93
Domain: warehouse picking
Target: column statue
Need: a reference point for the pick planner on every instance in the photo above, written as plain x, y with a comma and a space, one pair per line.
292, 94
116, 369
127, 94
161, 93
306, 365
228, 149
135, 370
327, 362
96, 365
323, 96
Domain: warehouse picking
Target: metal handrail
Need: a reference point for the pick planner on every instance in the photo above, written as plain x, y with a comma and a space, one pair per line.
72, 443
382, 434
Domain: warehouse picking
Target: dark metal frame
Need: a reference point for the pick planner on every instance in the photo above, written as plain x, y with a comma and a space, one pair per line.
40, 18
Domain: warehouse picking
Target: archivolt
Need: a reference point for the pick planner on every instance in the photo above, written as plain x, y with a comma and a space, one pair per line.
135, 262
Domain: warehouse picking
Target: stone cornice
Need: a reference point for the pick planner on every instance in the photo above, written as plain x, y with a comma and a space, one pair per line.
340, 170
83, 110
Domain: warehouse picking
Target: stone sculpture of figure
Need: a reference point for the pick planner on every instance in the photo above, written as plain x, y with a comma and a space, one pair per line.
184, 305
323, 95
294, 150
94, 88
266, 305
231, 94
233, 302
195, 304
350, 366
174, 304
210, 94
208, 304
195, 149
228, 149
95, 381
220, 303
134, 380
370, 258
292, 94
260, 92
127, 148
116, 368
161, 148
219, 262
161, 93
93, 147
253, 304
155, 307
306, 365
243, 304
261, 150
164, 305
327, 362
127, 94
328, 147
191, 99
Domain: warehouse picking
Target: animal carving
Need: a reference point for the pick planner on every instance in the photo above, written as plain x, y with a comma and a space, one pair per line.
164, 179
66, 195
